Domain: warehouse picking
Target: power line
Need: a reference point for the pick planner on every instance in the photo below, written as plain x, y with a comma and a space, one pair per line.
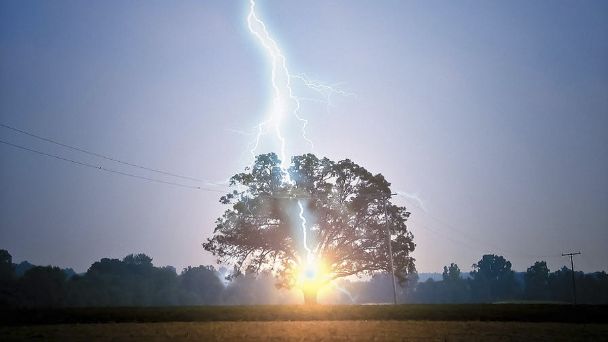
465, 234
477, 241
443, 235
99, 155
98, 167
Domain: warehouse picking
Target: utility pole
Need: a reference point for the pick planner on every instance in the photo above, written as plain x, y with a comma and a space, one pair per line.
390, 249
390, 246
572, 268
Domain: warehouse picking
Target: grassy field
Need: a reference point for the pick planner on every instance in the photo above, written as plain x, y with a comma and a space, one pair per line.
313, 331
432, 312
484, 322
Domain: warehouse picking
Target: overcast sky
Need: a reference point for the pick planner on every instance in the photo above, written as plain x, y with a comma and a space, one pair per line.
495, 114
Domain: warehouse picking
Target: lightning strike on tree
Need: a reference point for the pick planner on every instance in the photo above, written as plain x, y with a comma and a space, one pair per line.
286, 105
284, 101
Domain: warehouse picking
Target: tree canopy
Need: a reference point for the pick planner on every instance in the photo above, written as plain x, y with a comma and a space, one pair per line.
537, 280
335, 212
493, 278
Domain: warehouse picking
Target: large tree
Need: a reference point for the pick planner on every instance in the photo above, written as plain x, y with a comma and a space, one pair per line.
311, 223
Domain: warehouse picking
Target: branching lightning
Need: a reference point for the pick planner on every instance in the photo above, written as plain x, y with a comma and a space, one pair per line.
284, 102
285, 108
281, 83
286, 105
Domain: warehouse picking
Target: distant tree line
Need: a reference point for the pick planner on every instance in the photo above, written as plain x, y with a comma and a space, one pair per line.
493, 280
135, 281
132, 281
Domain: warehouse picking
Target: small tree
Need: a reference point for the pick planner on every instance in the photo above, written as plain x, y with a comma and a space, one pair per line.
201, 285
451, 273
454, 288
44, 286
7, 270
7, 279
312, 223
537, 281
493, 278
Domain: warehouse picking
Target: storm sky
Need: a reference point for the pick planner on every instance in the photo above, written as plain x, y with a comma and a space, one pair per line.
494, 114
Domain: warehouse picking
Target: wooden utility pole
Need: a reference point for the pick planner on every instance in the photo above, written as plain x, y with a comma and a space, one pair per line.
388, 242
390, 250
572, 268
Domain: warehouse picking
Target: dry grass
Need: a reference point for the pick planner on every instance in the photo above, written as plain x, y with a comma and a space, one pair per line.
313, 331
406, 312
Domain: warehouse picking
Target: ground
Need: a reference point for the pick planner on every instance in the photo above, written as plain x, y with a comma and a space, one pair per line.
319, 323
314, 331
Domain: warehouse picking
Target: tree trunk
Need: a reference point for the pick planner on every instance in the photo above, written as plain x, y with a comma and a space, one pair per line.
310, 296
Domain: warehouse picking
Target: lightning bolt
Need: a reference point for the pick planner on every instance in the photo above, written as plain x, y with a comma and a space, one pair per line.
281, 84
309, 255
284, 102
286, 105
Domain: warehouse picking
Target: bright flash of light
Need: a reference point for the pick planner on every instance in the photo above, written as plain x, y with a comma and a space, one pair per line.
312, 275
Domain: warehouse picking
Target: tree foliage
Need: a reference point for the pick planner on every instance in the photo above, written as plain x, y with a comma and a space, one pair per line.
347, 211
451, 273
126, 282
493, 278
537, 280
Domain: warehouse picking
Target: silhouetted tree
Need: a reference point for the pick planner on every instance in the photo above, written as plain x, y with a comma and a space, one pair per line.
454, 289
44, 286
493, 279
593, 288
138, 261
165, 287
7, 271
200, 285
428, 292
347, 209
135, 281
7, 279
537, 281
560, 284
451, 273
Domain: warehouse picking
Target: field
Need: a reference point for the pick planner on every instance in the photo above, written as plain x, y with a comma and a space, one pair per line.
508, 322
